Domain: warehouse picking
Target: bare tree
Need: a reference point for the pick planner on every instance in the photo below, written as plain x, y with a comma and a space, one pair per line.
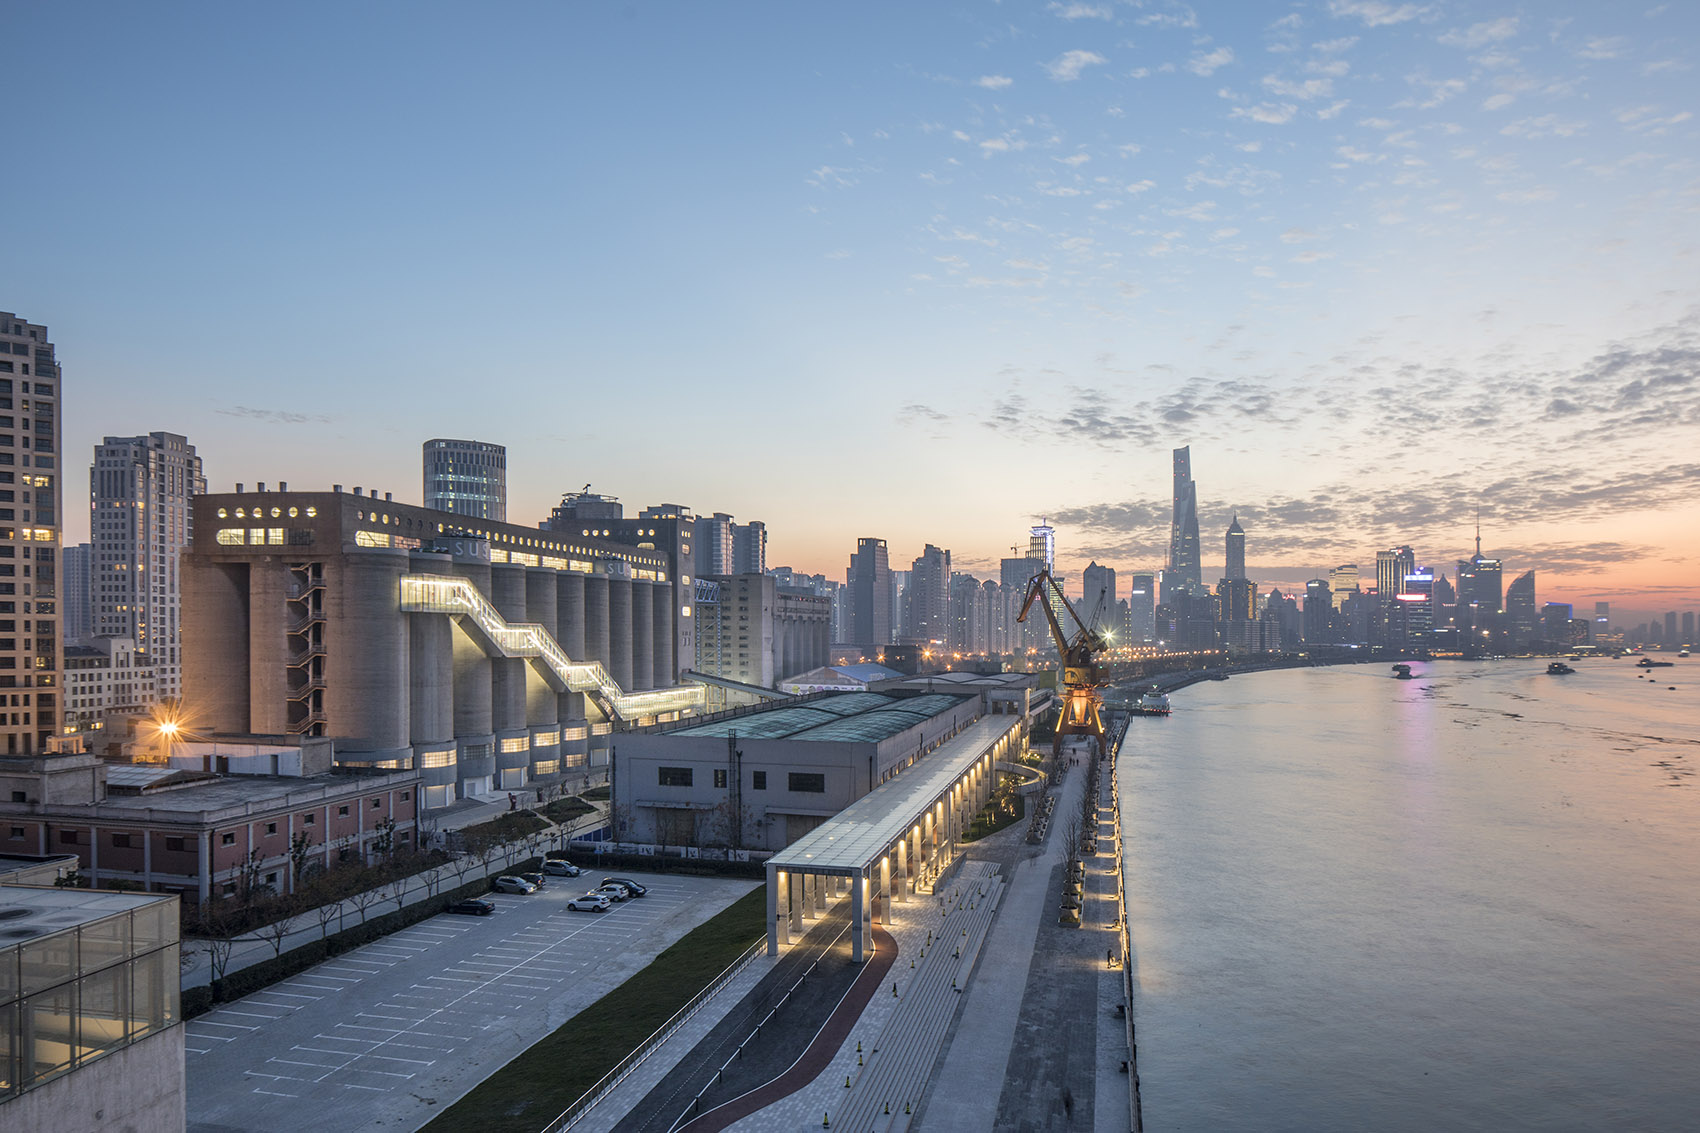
219, 926
396, 891
364, 899
432, 879
326, 912
276, 933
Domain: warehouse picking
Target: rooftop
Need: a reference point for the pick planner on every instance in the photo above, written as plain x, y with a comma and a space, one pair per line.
862, 717
28, 911
862, 831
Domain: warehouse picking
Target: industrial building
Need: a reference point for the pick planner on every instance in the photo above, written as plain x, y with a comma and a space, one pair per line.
486, 656
759, 779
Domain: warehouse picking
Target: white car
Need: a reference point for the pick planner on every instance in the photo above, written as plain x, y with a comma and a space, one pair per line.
613, 892
514, 885
560, 868
589, 903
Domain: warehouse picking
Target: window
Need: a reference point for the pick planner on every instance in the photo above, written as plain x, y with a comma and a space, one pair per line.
121, 841
17, 832
18, 796
227, 839
406, 795
808, 783
720, 777
673, 776
68, 837
376, 803
174, 844
309, 819
271, 828
342, 812
758, 780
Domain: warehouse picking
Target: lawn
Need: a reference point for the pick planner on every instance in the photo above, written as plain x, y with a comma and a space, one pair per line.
565, 810
538, 1086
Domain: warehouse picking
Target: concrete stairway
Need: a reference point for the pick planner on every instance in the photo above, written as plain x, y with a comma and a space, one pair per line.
894, 1072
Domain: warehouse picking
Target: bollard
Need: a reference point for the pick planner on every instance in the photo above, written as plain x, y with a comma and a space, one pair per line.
846, 1081
894, 991
887, 1107
858, 1060
825, 1121
905, 1107
858, 1046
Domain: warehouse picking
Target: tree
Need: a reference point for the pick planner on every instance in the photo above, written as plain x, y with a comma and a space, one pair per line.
299, 847
384, 843
363, 899
276, 933
219, 927
326, 912
432, 879
396, 891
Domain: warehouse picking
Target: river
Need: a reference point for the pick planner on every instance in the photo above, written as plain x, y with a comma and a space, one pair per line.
1465, 901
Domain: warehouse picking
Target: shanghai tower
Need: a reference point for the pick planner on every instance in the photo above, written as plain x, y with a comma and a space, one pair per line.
1183, 531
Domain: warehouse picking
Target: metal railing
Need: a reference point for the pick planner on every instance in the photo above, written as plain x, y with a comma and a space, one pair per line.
445, 594
605, 1085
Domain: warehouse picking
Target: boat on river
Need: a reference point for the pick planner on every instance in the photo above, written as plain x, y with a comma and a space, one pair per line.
1559, 669
1152, 702
1402, 673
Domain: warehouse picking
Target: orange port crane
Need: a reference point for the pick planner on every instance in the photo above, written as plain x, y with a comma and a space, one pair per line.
1082, 680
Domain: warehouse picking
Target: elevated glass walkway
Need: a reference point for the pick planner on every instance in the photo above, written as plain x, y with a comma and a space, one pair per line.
458, 597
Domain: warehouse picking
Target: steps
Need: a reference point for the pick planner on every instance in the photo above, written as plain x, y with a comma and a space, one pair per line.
896, 1069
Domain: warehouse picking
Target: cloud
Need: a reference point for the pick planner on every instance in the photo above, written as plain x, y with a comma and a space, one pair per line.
275, 416
1480, 35
1078, 11
1297, 236
1528, 196
994, 82
1206, 65
1306, 90
1066, 67
1273, 114
1604, 47
1546, 126
1376, 13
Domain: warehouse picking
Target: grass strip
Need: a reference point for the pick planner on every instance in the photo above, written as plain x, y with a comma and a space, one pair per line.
536, 1087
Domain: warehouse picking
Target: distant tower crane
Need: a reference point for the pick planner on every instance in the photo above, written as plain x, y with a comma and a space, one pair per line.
1082, 706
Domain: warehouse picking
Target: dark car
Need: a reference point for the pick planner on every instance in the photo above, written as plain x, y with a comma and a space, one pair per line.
536, 879
632, 887
472, 907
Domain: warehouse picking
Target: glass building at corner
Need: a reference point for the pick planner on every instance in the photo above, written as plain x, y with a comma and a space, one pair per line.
467, 478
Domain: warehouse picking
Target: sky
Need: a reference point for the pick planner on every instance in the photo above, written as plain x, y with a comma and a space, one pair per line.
924, 272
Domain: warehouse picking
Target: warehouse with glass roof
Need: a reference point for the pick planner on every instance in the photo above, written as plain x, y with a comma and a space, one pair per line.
758, 779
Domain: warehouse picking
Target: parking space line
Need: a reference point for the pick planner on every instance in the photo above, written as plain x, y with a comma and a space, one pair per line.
215, 1023
274, 1093
374, 1089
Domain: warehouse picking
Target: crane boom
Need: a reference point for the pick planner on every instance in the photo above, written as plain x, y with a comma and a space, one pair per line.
1081, 680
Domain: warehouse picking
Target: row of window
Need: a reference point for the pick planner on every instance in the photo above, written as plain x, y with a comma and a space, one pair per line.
798, 782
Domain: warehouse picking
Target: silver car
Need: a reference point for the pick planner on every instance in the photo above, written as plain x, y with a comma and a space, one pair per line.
589, 903
613, 892
514, 885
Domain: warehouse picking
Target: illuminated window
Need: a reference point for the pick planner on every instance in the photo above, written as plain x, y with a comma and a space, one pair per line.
231, 536
546, 767
510, 746
257, 536
311, 512
546, 739
293, 512
569, 734
371, 539
445, 758
274, 535
240, 513
222, 514
684, 611
276, 512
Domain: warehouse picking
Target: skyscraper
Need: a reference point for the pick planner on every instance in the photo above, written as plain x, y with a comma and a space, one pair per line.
1343, 582
1521, 610
749, 548
869, 582
1098, 597
1391, 567
140, 493
1183, 528
1142, 608
75, 603
1236, 551
467, 478
29, 550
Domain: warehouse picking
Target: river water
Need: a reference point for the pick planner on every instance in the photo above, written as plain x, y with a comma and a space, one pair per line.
1465, 901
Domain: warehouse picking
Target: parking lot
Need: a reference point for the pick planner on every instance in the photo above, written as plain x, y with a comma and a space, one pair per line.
388, 1035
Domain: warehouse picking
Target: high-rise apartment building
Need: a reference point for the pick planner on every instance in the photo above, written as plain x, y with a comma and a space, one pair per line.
30, 484
140, 526
869, 582
928, 596
1391, 567
467, 478
1235, 560
749, 547
1184, 560
726, 547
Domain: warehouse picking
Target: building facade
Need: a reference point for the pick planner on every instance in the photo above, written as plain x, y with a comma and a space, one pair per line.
466, 478
31, 515
484, 655
76, 595
140, 524
1234, 551
868, 581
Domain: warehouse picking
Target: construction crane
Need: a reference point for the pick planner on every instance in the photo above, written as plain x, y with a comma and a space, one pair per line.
1081, 680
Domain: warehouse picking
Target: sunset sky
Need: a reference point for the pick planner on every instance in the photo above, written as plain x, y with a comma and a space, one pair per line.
919, 271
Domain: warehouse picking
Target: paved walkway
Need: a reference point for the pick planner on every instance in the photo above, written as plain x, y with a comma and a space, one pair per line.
820, 1053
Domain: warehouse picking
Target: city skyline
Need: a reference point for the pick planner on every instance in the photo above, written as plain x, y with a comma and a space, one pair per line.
1379, 264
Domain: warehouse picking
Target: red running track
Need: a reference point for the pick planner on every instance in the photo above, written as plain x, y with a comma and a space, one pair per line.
818, 1056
